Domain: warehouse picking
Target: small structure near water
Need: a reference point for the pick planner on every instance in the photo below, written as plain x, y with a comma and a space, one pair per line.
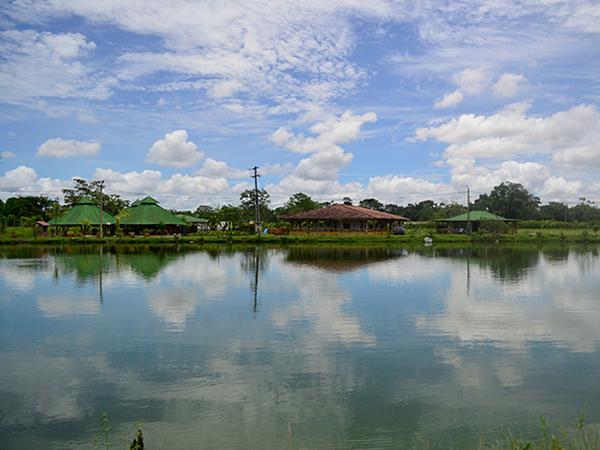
475, 221
84, 214
147, 215
344, 218
194, 223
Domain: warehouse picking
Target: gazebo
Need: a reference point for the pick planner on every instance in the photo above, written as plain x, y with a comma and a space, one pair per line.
474, 220
146, 214
344, 218
199, 223
84, 213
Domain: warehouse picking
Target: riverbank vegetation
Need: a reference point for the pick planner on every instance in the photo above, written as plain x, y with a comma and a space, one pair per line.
415, 233
509, 200
576, 436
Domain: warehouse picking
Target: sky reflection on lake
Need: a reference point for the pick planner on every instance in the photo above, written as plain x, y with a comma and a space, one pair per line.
315, 347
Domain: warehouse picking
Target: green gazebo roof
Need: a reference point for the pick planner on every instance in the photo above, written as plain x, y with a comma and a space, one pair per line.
476, 216
147, 212
84, 211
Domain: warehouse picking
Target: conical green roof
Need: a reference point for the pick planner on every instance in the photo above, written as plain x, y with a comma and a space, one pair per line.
84, 211
475, 216
148, 212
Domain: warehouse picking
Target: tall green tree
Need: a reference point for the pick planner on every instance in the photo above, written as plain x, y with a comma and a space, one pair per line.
554, 211
510, 200
584, 211
371, 203
111, 203
36, 207
247, 205
300, 202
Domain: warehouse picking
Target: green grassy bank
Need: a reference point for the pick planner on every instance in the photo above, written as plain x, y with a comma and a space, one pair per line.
22, 235
531, 236
555, 236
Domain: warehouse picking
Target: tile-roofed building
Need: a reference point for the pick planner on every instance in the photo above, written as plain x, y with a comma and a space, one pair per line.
342, 217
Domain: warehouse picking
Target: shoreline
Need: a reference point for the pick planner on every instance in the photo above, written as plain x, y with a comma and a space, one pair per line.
531, 236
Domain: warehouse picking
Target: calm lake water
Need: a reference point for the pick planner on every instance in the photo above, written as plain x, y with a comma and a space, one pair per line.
295, 348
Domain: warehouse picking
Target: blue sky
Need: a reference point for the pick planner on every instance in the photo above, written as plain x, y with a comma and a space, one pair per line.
401, 101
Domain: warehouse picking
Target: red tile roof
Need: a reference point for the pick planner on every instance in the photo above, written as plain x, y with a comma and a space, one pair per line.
339, 212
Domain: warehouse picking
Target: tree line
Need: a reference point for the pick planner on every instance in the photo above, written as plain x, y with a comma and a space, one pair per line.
510, 200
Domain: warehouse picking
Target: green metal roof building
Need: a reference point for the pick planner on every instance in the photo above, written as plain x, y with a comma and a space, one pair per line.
83, 212
461, 222
147, 213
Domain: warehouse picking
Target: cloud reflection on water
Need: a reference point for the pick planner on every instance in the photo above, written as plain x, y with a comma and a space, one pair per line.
553, 303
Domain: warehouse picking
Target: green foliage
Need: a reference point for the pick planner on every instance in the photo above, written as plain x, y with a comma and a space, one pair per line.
585, 211
247, 202
510, 200
300, 202
554, 211
426, 210
36, 207
112, 203
493, 227
372, 203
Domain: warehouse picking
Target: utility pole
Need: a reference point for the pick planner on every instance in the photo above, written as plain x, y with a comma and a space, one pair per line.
468, 210
256, 208
101, 187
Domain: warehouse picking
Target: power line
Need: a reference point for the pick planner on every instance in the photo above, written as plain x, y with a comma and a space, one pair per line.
256, 209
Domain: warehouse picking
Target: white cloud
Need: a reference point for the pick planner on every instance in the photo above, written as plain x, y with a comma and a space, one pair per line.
508, 85
260, 48
331, 132
42, 64
178, 191
7, 155
226, 88
398, 189
25, 180
571, 137
15, 179
320, 170
471, 81
174, 150
450, 100
67, 148
219, 169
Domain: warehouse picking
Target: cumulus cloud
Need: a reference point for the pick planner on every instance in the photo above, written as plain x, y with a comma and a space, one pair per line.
508, 85
67, 148
571, 137
330, 133
391, 188
471, 81
320, 169
450, 100
17, 178
219, 169
174, 150
25, 180
176, 191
